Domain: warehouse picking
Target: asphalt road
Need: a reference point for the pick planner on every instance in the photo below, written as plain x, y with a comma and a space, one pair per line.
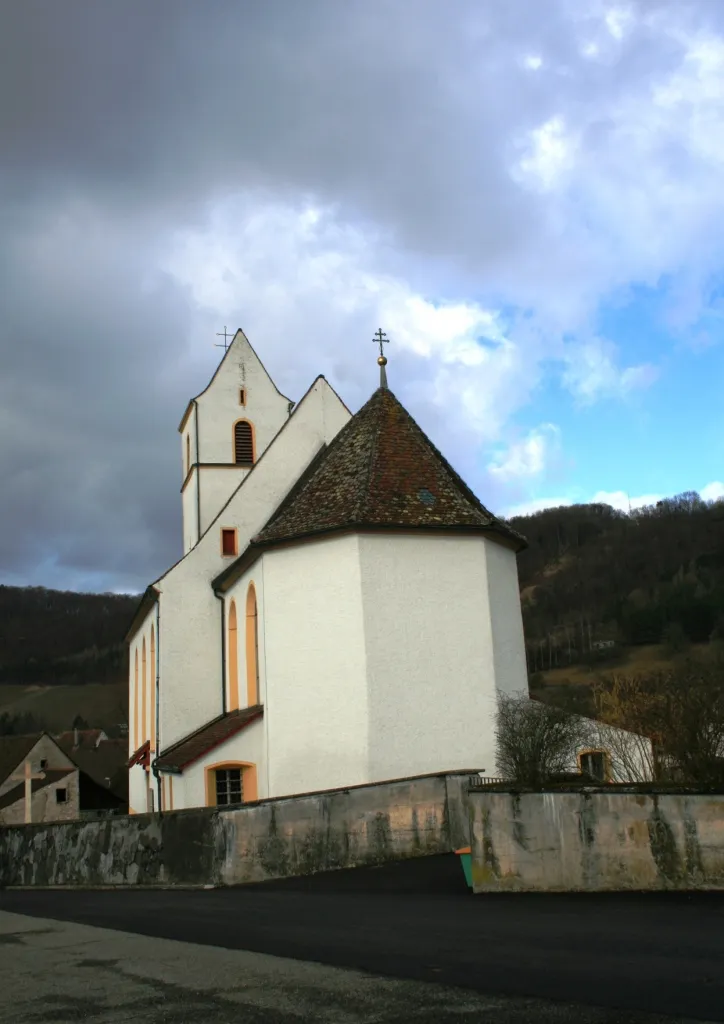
660, 953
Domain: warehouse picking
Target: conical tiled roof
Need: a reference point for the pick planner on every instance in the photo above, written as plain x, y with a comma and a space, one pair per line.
380, 471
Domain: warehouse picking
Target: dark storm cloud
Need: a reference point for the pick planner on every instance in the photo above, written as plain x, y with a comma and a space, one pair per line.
122, 120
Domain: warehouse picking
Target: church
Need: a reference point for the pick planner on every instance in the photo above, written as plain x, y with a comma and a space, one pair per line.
344, 611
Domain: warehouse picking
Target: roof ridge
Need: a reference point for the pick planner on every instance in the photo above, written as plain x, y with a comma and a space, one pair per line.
372, 461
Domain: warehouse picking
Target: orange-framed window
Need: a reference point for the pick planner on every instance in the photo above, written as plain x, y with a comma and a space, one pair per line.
233, 658
231, 782
252, 647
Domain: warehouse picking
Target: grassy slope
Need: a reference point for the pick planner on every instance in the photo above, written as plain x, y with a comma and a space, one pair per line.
101, 704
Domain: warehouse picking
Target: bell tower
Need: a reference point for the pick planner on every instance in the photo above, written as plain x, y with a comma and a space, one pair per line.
224, 432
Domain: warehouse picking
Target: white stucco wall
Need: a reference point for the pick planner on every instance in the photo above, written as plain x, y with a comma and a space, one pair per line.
190, 626
315, 696
138, 784
431, 667
247, 746
217, 484
190, 512
189, 501
511, 670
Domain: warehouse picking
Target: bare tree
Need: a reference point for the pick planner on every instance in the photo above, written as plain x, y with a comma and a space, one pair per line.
631, 755
680, 710
535, 740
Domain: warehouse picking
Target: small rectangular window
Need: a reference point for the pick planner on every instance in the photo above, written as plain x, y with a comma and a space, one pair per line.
593, 764
228, 786
61, 796
43, 764
228, 543
242, 396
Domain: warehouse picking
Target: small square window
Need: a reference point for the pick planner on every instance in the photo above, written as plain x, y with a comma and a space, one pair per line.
242, 396
229, 788
594, 764
228, 543
61, 796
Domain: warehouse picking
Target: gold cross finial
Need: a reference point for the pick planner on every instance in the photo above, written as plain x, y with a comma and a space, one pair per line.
381, 339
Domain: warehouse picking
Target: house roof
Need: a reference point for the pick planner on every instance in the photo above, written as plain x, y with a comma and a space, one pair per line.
14, 750
104, 763
380, 471
191, 748
18, 792
87, 738
148, 600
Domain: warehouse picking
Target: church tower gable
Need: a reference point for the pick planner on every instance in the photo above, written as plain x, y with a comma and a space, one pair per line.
224, 432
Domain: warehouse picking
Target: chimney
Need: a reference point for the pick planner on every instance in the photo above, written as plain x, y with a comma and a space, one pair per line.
75, 737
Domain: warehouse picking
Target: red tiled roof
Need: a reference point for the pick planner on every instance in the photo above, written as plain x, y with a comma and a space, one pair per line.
141, 756
381, 470
191, 748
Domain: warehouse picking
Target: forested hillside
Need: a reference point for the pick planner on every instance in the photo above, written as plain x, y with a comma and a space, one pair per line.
592, 574
50, 637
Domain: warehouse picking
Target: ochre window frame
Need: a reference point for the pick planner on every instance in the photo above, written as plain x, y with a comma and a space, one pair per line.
229, 529
249, 781
232, 635
608, 775
242, 396
251, 646
152, 670
248, 422
136, 744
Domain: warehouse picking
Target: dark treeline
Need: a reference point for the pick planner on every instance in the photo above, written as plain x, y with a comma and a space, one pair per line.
593, 576
55, 636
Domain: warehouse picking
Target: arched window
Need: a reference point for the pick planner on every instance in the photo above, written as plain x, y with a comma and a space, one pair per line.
152, 670
233, 659
136, 744
252, 648
243, 443
231, 782
144, 733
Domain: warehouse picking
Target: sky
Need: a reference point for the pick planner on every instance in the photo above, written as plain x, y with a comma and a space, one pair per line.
527, 197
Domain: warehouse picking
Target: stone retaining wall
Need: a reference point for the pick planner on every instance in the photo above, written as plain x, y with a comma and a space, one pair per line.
596, 839
271, 839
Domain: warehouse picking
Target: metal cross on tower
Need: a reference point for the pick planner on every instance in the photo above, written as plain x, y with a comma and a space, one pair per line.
381, 339
225, 336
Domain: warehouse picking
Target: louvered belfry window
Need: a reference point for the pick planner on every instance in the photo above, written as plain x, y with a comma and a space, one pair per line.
243, 444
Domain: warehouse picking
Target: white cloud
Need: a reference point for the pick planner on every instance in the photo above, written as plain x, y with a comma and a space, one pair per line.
620, 500
713, 491
298, 281
592, 372
529, 457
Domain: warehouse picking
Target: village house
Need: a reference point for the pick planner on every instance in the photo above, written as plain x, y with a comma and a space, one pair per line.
42, 782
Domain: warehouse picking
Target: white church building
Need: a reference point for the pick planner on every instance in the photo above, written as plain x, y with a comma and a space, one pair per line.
344, 611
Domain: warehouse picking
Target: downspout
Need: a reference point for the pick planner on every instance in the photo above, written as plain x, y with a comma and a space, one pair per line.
157, 669
198, 474
220, 597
